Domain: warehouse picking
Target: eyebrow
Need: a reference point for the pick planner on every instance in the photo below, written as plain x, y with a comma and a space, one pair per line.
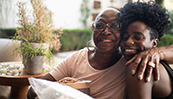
138, 33
99, 19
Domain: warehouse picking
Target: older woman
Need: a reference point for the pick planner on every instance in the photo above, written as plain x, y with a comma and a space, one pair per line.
104, 65
143, 24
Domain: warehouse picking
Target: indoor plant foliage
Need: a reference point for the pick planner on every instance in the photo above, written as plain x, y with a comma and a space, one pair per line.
36, 26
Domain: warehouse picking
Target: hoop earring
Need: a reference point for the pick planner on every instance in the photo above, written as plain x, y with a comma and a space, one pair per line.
88, 46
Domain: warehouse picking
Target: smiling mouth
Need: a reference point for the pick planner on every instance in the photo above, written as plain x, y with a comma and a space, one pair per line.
130, 51
106, 41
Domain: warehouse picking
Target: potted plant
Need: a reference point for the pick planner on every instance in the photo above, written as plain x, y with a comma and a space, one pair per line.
36, 33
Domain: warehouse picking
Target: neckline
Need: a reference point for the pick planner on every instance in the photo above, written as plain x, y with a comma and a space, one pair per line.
120, 56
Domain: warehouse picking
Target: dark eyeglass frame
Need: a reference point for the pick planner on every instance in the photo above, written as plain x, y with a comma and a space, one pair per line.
114, 26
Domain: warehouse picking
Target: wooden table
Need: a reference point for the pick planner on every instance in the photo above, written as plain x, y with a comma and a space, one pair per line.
19, 84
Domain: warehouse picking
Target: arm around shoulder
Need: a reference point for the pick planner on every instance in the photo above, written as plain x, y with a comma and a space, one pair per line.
166, 53
137, 89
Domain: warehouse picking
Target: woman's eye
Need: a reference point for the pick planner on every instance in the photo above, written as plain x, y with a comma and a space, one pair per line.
115, 26
99, 26
138, 37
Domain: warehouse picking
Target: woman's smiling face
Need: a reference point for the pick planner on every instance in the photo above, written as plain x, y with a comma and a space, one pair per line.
136, 39
108, 38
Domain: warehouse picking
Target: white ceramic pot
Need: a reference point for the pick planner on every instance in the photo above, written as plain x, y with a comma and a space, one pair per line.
34, 66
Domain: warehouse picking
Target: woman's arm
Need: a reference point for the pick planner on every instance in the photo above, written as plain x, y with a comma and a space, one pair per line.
151, 55
137, 89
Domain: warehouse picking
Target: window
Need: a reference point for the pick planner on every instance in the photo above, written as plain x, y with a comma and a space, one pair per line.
97, 4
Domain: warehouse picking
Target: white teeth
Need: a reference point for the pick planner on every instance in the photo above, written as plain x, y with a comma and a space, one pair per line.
130, 50
106, 40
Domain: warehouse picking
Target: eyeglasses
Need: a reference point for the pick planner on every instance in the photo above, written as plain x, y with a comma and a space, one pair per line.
114, 26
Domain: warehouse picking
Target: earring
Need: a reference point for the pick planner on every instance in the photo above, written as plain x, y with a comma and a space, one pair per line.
88, 46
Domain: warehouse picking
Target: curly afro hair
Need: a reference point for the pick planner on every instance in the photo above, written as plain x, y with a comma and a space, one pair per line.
152, 14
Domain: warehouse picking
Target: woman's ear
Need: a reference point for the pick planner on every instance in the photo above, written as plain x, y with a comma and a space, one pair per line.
155, 41
93, 26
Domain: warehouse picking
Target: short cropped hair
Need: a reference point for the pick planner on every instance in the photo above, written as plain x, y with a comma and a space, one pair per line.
152, 14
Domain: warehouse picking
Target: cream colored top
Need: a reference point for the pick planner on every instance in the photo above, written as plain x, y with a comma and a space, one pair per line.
106, 84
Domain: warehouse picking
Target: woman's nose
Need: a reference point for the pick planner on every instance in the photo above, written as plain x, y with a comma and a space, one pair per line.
106, 31
129, 41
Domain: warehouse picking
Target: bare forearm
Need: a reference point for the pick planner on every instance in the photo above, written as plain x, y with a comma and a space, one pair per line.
166, 53
49, 77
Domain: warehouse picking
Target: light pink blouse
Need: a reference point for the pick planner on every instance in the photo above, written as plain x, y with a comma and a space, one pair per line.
106, 84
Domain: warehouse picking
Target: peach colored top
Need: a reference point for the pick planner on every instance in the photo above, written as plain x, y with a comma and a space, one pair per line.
106, 84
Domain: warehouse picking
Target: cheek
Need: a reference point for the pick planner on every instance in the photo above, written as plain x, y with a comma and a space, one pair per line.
95, 37
148, 45
122, 43
117, 35
119, 38
145, 45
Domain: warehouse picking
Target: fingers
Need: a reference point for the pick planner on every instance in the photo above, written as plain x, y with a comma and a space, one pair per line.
156, 71
150, 67
151, 64
147, 59
149, 73
142, 68
137, 62
131, 60
135, 67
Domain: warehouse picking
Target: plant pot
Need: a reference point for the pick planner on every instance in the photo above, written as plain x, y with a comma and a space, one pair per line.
34, 65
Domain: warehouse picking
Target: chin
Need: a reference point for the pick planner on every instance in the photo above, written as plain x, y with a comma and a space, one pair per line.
128, 57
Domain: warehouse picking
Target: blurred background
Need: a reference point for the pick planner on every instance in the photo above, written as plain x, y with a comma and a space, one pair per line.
75, 17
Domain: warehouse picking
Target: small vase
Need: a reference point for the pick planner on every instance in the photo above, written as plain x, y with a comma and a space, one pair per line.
34, 65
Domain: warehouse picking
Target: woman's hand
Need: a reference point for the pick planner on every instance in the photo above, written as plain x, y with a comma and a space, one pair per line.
143, 59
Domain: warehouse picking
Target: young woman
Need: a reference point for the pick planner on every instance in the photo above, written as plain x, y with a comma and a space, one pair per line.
143, 24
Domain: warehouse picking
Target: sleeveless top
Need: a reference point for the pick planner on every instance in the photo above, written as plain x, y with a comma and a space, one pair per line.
170, 71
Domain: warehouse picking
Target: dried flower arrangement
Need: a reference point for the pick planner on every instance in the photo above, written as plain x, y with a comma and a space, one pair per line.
36, 27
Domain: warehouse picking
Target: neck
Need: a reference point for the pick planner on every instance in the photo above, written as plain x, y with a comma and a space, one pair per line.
99, 60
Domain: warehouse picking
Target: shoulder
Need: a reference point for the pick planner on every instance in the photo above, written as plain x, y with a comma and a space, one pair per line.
159, 89
165, 83
69, 65
76, 57
137, 88
81, 54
